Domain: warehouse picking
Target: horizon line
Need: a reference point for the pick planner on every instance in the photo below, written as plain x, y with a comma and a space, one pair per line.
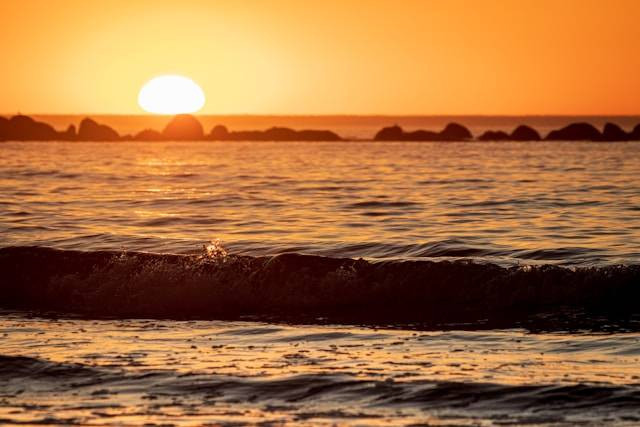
321, 115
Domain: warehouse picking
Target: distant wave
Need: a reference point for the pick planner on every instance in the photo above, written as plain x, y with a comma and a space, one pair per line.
307, 288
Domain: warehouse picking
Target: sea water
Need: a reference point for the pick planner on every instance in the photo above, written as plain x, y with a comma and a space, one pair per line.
471, 216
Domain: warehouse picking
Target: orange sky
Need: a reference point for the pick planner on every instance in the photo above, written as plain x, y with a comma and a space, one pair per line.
302, 57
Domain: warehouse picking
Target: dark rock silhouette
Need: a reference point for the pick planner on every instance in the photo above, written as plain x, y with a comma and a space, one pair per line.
491, 135
221, 133
90, 130
575, 132
422, 135
455, 132
391, 133
317, 135
613, 132
525, 133
4, 128
148, 135
25, 128
452, 132
186, 127
69, 134
183, 127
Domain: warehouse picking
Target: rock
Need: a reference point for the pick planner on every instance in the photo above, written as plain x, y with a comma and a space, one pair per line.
317, 135
525, 133
421, 135
90, 130
455, 132
391, 133
575, 132
452, 132
25, 128
286, 134
183, 127
4, 128
69, 134
148, 135
494, 136
634, 135
277, 134
246, 135
613, 132
219, 133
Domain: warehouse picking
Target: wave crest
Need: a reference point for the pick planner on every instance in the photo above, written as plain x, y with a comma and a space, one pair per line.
304, 287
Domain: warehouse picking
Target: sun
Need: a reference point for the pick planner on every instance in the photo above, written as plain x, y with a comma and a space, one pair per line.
171, 94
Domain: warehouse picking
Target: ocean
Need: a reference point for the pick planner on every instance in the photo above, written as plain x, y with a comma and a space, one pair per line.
321, 283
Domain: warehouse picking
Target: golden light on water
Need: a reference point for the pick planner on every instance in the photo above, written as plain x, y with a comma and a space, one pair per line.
171, 94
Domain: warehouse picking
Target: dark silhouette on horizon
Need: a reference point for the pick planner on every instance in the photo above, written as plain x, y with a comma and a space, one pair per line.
452, 132
185, 127
575, 132
521, 133
613, 132
89, 130
525, 133
24, 128
221, 133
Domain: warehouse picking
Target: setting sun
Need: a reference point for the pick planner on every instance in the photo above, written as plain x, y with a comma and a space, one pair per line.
171, 94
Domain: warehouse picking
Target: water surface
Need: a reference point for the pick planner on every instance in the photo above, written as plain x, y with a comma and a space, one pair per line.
115, 372
398, 205
547, 202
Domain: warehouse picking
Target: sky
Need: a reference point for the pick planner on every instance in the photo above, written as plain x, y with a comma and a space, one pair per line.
325, 57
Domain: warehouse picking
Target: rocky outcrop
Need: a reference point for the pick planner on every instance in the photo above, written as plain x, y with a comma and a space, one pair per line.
455, 132
90, 130
221, 133
188, 128
491, 135
4, 128
390, 133
69, 134
148, 135
525, 133
317, 135
575, 132
183, 127
422, 135
25, 128
613, 132
452, 132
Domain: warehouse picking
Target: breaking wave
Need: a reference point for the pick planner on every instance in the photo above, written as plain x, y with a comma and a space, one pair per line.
308, 288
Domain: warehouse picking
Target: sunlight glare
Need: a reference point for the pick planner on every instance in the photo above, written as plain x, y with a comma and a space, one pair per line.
171, 94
